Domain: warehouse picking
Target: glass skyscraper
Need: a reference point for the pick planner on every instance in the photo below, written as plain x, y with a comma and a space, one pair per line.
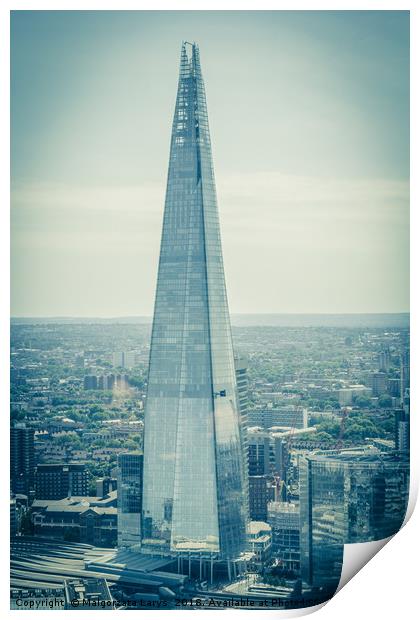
194, 497
130, 482
351, 496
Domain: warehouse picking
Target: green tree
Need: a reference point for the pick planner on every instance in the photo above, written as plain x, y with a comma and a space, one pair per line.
385, 401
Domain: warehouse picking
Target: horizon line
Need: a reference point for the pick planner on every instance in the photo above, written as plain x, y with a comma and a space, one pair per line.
135, 316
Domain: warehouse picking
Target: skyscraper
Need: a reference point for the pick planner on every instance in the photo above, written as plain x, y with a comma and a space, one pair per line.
348, 496
22, 459
130, 480
194, 496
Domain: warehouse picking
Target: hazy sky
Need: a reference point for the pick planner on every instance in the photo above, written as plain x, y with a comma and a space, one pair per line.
309, 119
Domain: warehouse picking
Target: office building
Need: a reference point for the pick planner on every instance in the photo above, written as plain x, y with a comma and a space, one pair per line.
22, 459
379, 383
404, 374
118, 359
242, 386
384, 360
268, 453
59, 481
90, 382
259, 541
105, 486
14, 518
194, 494
347, 395
242, 391
290, 417
259, 496
130, 485
402, 429
394, 386
130, 359
284, 518
348, 496
120, 381
124, 359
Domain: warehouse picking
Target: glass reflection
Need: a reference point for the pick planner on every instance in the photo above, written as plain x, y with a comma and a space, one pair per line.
194, 476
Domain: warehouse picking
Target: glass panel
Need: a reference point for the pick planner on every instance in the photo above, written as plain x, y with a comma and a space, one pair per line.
194, 474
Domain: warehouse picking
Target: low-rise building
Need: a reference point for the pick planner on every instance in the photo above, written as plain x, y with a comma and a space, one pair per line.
76, 519
291, 417
89, 594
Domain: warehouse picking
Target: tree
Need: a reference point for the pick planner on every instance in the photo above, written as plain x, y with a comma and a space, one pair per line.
362, 402
385, 401
332, 427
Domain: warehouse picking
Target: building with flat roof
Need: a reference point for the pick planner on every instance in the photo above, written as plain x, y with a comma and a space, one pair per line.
105, 486
379, 383
284, 519
259, 495
348, 496
22, 459
88, 593
346, 395
57, 481
291, 417
267, 452
259, 540
130, 490
402, 429
14, 520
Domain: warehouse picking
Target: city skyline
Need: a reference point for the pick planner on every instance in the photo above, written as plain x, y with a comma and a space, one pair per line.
194, 461
313, 193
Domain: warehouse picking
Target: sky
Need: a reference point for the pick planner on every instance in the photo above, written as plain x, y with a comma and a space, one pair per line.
309, 120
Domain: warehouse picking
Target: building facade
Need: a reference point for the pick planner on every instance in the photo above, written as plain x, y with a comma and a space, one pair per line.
22, 459
259, 541
75, 521
194, 497
105, 486
379, 383
402, 429
268, 453
130, 485
404, 373
291, 417
59, 481
348, 496
259, 495
284, 518
14, 519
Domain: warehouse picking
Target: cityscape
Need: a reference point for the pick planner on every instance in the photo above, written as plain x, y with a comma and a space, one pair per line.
310, 396
197, 459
